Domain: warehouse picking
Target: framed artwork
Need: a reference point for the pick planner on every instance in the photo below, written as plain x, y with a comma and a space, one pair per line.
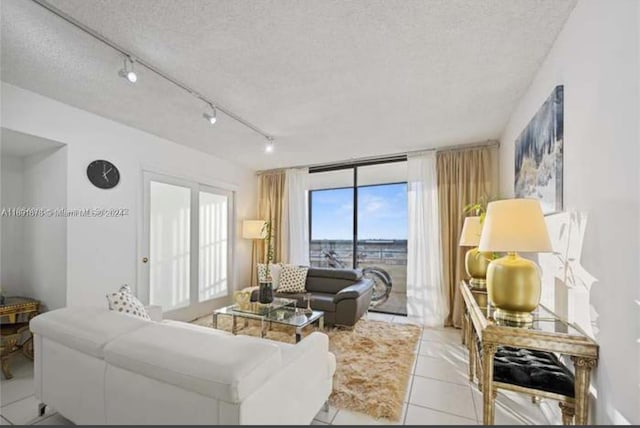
538, 155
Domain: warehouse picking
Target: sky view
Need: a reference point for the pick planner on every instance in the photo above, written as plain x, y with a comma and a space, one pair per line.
382, 212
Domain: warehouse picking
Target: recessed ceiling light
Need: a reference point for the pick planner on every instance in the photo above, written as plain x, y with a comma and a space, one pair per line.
127, 71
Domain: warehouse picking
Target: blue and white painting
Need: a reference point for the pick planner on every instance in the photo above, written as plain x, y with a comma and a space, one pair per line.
538, 155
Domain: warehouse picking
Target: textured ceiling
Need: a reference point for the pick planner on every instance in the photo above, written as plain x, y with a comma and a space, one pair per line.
331, 80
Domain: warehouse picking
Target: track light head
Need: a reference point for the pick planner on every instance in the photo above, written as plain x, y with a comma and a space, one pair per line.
269, 146
211, 117
127, 71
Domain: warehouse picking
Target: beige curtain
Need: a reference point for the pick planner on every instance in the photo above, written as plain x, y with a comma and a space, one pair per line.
464, 177
271, 207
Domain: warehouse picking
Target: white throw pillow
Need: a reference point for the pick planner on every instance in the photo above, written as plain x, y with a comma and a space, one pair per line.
275, 269
125, 302
293, 279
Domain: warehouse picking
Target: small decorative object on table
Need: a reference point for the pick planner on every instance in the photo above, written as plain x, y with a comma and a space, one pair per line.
265, 294
242, 298
308, 310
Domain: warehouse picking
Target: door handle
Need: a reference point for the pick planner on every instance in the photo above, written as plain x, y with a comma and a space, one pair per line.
145, 260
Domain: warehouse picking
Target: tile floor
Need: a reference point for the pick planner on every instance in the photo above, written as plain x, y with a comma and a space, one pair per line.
438, 392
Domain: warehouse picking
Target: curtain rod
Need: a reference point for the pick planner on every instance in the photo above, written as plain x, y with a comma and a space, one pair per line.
93, 33
387, 158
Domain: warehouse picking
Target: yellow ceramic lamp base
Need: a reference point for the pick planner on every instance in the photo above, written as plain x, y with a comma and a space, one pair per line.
513, 286
476, 264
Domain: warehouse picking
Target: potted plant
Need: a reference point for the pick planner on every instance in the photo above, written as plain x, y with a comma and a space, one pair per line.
265, 294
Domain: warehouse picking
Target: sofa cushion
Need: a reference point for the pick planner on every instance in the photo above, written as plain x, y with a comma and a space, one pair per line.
293, 279
275, 269
85, 329
125, 302
327, 280
216, 365
349, 274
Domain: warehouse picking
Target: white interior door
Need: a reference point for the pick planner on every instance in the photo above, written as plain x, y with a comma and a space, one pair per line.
186, 245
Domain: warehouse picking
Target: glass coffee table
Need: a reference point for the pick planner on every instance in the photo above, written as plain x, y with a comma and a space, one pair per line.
280, 311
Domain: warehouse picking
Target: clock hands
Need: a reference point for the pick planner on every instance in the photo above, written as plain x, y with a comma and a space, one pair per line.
104, 173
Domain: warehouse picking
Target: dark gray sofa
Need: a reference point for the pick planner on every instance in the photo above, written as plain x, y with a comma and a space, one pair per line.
342, 294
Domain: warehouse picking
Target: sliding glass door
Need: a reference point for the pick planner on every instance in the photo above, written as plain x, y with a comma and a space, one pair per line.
187, 243
358, 218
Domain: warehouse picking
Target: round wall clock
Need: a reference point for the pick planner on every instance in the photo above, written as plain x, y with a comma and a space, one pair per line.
103, 174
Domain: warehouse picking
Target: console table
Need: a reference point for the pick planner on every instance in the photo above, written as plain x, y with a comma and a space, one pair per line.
531, 349
15, 314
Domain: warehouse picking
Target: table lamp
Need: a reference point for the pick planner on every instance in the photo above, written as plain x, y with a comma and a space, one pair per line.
475, 262
254, 229
513, 283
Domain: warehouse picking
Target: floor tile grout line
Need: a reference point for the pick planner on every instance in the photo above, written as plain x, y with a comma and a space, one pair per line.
37, 420
475, 408
442, 411
404, 420
15, 401
334, 416
440, 380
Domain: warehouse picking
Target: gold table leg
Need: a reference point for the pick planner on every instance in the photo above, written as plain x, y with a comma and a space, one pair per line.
488, 396
465, 327
471, 345
568, 411
5, 368
583, 368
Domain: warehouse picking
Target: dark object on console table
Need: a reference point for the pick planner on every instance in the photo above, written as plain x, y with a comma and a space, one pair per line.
342, 294
523, 359
15, 314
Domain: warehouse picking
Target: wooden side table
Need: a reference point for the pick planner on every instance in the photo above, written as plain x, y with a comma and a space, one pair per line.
15, 314
548, 334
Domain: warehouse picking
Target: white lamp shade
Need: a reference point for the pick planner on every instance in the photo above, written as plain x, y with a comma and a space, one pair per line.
515, 225
471, 230
254, 229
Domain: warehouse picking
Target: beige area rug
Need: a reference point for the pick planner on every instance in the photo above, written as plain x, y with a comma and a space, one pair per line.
374, 362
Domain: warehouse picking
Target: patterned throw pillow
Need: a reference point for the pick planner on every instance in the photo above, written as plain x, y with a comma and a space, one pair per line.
275, 269
124, 301
293, 279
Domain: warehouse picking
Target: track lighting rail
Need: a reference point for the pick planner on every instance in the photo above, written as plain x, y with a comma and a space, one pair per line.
150, 67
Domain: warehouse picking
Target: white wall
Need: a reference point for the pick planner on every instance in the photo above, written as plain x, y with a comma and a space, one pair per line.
596, 59
12, 230
44, 256
104, 252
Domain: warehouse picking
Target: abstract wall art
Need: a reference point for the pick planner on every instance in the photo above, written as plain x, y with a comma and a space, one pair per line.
538, 155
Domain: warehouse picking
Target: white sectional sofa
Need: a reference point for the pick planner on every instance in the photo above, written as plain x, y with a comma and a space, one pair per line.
96, 366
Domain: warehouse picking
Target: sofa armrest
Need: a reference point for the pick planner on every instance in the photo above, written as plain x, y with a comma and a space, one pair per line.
155, 312
354, 291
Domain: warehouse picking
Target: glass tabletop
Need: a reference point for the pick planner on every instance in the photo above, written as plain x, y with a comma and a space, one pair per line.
294, 316
256, 309
543, 318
